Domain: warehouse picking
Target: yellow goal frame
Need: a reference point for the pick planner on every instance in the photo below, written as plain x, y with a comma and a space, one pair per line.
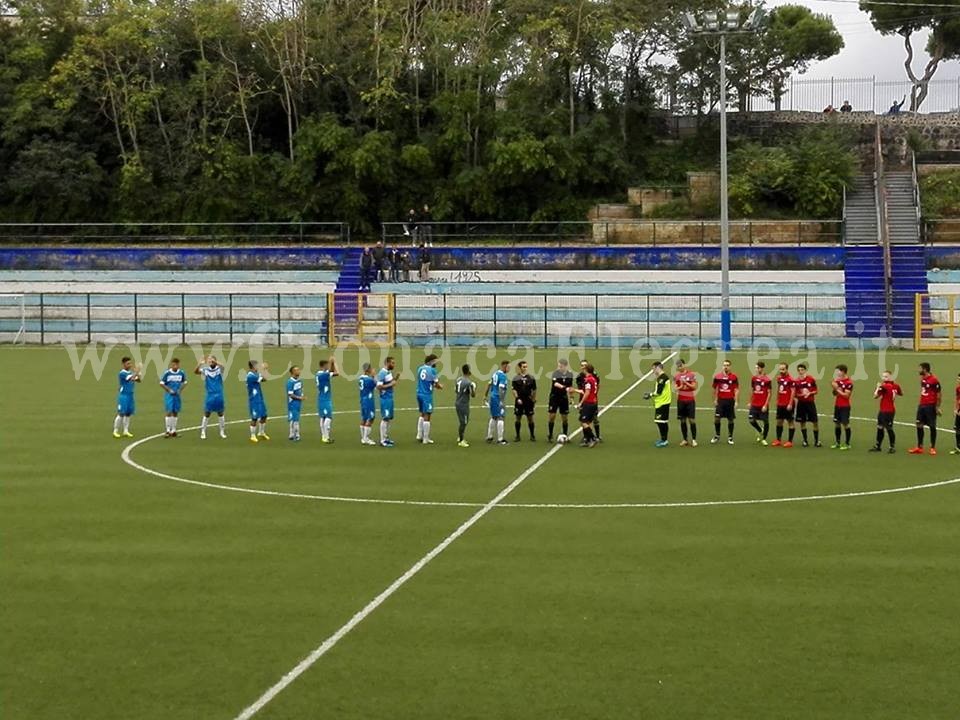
940, 329
376, 320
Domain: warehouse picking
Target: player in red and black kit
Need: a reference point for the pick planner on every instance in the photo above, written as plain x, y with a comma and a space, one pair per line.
761, 385
928, 410
686, 384
806, 404
842, 390
785, 397
580, 380
956, 418
887, 391
726, 391
588, 404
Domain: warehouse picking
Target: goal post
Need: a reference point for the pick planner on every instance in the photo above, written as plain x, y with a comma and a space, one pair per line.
13, 317
936, 321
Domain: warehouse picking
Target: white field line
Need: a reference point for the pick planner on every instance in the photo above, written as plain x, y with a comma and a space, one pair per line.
370, 607
126, 456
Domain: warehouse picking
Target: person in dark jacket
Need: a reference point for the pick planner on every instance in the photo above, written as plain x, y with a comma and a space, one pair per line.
424, 263
410, 227
426, 225
366, 268
405, 263
393, 255
379, 257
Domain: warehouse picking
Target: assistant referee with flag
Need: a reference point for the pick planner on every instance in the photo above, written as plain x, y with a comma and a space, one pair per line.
662, 397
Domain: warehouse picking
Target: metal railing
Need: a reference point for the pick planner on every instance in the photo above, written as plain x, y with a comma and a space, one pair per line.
883, 227
297, 233
598, 320
617, 232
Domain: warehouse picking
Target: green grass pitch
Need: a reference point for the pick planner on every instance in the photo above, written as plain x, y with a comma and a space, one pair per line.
129, 596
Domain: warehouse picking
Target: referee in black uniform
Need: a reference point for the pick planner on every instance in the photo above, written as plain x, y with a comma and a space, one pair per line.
524, 399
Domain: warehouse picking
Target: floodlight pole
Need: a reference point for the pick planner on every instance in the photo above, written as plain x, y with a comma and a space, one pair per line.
726, 330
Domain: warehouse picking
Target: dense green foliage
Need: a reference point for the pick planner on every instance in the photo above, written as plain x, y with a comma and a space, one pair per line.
245, 110
805, 176
940, 194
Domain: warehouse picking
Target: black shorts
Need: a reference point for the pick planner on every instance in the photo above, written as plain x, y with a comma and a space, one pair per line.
927, 415
758, 413
956, 423
785, 413
588, 413
523, 406
559, 404
661, 414
725, 409
807, 412
687, 409
885, 419
841, 415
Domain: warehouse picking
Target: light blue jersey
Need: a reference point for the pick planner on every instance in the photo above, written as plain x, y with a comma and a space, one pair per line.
498, 389
213, 385
386, 393
258, 406
294, 390
173, 381
368, 409
426, 379
324, 394
125, 402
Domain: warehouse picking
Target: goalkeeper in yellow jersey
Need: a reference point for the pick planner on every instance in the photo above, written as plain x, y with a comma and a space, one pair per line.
662, 396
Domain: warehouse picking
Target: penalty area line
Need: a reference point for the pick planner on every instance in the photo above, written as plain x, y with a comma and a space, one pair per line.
331, 642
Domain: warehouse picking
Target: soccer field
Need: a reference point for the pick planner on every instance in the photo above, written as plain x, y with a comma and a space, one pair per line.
622, 581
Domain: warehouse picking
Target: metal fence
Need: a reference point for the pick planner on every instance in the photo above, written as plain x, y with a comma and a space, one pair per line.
279, 232
600, 320
617, 232
866, 94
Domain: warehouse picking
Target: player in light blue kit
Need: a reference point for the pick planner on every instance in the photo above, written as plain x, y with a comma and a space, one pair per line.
172, 382
125, 404
294, 402
427, 380
494, 395
368, 408
212, 373
386, 381
326, 373
256, 401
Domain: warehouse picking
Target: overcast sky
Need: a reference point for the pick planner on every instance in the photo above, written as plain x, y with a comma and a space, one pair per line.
866, 53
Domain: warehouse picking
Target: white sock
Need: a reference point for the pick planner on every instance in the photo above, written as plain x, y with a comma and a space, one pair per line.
325, 427
262, 429
253, 431
500, 429
223, 424
166, 423
126, 423
117, 423
203, 424
384, 431
296, 428
426, 430
291, 432
173, 423
491, 428
420, 428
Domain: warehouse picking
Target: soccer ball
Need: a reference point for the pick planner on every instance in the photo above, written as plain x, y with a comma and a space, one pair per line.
562, 439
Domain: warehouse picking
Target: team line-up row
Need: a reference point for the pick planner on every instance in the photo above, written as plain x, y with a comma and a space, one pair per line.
793, 396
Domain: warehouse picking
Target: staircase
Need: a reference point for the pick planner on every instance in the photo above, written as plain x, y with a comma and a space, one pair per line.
346, 316
902, 216
909, 264
864, 286
860, 212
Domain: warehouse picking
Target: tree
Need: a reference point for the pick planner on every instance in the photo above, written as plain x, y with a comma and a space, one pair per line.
908, 18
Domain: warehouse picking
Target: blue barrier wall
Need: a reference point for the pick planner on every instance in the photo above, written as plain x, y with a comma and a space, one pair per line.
504, 258
170, 258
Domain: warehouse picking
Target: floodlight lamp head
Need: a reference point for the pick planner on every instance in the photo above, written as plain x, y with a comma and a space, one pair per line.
711, 21
732, 19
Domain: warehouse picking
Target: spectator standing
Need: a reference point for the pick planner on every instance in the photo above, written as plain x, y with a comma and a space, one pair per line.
426, 225
394, 257
411, 227
424, 263
896, 107
379, 256
366, 266
405, 263
846, 107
